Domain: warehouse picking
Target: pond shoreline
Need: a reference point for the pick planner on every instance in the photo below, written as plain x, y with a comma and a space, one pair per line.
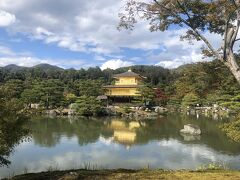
131, 174
137, 111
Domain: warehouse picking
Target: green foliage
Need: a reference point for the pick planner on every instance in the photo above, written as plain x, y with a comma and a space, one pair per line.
232, 129
193, 79
190, 99
174, 102
54, 87
211, 99
13, 88
147, 94
231, 105
230, 101
89, 87
9, 104
48, 93
70, 98
12, 123
211, 86
127, 109
30, 96
88, 105
51, 93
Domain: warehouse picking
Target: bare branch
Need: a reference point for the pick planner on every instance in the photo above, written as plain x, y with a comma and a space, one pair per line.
237, 39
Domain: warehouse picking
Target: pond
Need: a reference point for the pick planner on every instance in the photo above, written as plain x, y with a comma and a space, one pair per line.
66, 143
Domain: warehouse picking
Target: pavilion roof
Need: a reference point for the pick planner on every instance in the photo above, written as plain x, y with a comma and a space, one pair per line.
129, 73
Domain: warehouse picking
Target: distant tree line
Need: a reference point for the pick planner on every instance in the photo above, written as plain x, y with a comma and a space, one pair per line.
189, 85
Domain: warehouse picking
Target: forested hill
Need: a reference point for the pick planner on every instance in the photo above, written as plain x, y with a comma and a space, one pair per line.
154, 74
206, 83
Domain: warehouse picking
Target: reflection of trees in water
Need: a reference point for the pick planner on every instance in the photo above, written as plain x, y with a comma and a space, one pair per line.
169, 127
13, 131
48, 132
12, 124
212, 136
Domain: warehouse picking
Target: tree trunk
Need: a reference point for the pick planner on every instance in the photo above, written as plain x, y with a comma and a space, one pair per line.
233, 66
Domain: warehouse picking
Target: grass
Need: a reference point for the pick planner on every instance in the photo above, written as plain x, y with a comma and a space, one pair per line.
88, 170
132, 174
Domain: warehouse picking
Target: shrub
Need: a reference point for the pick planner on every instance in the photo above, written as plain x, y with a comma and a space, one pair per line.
190, 99
232, 129
127, 109
88, 106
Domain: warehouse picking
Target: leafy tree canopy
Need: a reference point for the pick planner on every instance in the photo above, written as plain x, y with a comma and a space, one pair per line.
198, 16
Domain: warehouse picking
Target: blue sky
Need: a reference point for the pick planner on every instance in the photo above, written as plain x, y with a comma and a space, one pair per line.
80, 34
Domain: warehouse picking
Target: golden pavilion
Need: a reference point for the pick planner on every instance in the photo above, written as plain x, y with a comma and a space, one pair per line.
126, 85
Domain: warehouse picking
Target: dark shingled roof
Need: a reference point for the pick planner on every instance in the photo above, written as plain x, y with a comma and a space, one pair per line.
129, 73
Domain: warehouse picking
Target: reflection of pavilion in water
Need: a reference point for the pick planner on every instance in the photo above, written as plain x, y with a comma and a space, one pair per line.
125, 132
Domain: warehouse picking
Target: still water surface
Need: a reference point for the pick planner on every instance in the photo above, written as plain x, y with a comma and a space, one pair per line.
66, 143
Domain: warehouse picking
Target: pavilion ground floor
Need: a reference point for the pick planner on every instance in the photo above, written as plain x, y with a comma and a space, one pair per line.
123, 99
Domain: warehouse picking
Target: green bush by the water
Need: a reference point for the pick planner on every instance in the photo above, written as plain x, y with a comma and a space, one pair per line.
88, 106
232, 129
190, 99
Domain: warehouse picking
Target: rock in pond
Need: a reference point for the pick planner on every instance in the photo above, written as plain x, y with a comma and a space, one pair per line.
191, 129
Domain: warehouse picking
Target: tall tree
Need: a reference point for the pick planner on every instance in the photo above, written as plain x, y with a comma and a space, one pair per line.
216, 16
147, 94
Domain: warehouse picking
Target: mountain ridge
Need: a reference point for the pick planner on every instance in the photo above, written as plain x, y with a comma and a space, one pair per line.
48, 67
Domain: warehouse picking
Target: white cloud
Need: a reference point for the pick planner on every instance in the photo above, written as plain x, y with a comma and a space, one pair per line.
170, 64
90, 27
29, 61
6, 18
21, 61
115, 63
176, 52
41, 32
174, 63
7, 56
6, 51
